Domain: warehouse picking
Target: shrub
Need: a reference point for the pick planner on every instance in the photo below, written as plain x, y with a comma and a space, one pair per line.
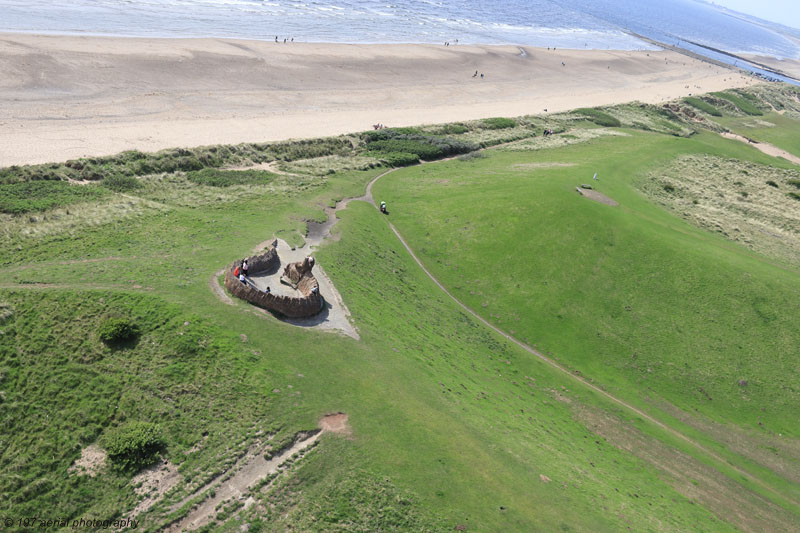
426, 147
422, 149
116, 330
794, 183
743, 105
395, 159
772, 184
703, 106
120, 183
600, 118
498, 123
794, 195
451, 129
213, 177
134, 445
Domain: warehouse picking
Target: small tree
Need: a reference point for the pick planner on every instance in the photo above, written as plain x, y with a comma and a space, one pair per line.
134, 445
116, 330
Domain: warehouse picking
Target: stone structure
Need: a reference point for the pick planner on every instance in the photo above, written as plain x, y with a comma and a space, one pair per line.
308, 303
294, 273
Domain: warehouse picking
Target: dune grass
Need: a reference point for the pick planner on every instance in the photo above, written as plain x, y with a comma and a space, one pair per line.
744, 105
25, 197
703, 106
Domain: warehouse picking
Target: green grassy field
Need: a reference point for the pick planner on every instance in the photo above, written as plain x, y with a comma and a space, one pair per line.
781, 130
454, 427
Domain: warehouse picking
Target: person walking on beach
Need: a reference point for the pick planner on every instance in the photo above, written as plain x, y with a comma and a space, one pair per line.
475, 75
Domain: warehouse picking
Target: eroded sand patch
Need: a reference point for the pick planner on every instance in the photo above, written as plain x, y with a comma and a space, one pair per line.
91, 462
767, 148
255, 466
153, 482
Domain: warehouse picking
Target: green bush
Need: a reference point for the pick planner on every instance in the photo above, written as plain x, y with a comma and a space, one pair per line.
498, 123
133, 445
794, 183
703, 106
120, 183
794, 195
600, 118
423, 150
426, 147
213, 177
743, 105
451, 129
115, 330
395, 159
772, 184
17, 198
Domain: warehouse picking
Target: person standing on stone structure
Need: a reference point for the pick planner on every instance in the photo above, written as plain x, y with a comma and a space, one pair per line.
244, 267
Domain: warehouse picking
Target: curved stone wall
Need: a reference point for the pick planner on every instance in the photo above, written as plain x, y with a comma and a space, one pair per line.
309, 303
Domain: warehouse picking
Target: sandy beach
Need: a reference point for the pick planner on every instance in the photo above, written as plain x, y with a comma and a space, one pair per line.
64, 97
790, 67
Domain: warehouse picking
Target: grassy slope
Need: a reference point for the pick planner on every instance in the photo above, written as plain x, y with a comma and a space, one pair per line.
465, 451
657, 311
440, 406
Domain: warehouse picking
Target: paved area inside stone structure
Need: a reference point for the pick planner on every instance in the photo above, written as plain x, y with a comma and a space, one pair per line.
334, 316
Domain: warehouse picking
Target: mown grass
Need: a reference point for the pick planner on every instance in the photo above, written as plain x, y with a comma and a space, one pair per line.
658, 312
780, 130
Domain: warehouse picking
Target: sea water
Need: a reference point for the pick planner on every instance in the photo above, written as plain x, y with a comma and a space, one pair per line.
597, 24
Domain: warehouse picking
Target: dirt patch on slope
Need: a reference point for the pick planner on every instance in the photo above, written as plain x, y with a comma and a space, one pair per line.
153, 483
767, 148
249, 471
728, 500
91, 461
535, 166
336, 423
781, 454
597, 196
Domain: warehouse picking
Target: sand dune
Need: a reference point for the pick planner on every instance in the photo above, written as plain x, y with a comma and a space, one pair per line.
64, 96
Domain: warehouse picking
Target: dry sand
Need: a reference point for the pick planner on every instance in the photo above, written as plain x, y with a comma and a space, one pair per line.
63, 97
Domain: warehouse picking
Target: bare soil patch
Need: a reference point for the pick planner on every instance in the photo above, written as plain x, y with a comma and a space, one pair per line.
535, 166
91, 462
153, 483
336, 423
767, 148
597, 196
